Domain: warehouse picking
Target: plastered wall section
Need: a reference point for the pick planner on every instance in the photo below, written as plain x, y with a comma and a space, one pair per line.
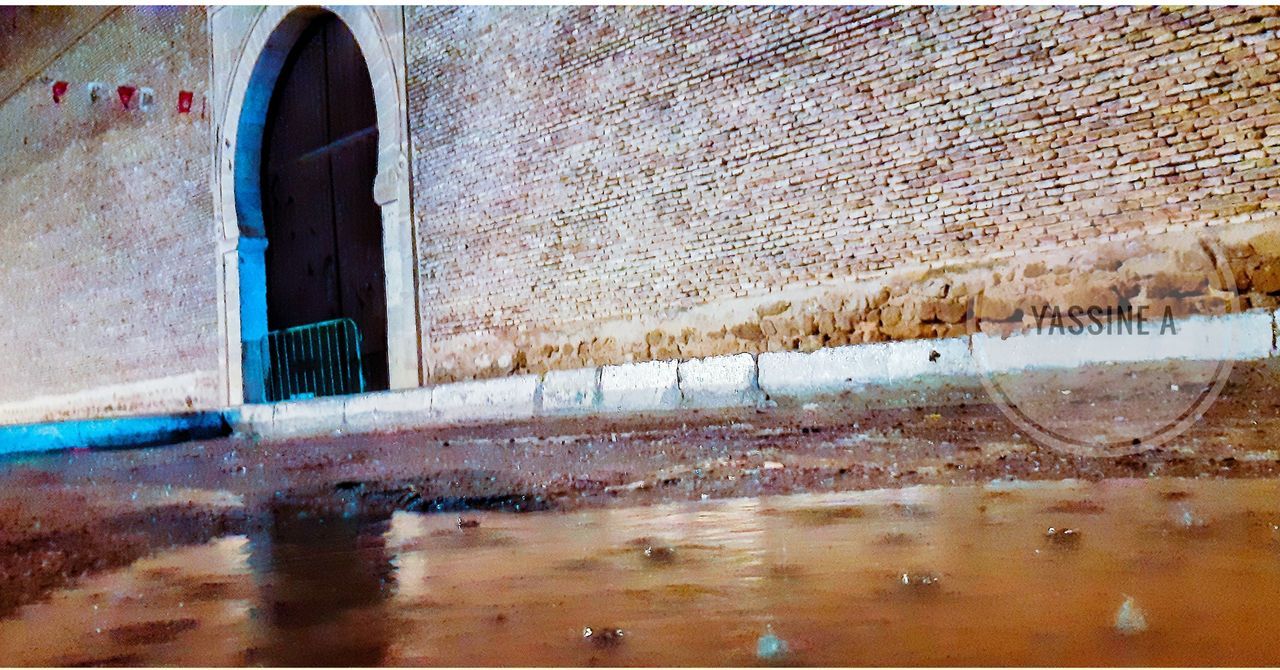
601, 185
108, 298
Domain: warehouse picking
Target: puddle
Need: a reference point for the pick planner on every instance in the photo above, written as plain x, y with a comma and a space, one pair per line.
1133, 572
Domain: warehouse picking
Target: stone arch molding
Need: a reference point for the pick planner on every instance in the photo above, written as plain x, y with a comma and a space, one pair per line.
250, 45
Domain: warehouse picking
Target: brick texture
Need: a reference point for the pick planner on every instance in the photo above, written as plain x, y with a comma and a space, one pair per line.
586, 178
600, 185
106, 223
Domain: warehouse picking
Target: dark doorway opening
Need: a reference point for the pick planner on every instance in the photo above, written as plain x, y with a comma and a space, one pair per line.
324, 256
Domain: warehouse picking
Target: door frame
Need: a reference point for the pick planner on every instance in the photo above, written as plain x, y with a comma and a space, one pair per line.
249, 47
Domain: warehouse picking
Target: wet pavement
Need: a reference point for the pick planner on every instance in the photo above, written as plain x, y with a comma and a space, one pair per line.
967, 575
936, 535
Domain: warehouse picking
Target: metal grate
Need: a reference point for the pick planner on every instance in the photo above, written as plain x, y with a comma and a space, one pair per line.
318, 359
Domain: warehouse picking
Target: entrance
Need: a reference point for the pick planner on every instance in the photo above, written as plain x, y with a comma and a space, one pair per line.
324, 258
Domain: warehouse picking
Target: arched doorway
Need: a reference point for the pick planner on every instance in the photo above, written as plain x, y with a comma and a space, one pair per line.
324, 252
243, 88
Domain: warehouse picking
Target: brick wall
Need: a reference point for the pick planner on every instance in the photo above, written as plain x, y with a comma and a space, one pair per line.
109, 299
600, 185
593, 185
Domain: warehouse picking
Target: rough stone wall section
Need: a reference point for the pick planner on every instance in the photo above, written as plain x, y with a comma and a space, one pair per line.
915, 373
106, 235
602, 185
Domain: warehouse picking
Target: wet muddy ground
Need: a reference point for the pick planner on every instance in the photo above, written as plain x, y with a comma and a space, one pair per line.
804, 535
1151, 571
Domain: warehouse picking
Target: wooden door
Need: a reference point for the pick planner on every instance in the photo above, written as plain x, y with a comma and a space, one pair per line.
324, 230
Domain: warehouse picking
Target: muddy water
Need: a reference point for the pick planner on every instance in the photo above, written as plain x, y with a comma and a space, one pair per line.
928, 575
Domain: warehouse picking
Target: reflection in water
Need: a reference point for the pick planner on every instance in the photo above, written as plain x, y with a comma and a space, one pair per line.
187, 606
324, 579
1155, 572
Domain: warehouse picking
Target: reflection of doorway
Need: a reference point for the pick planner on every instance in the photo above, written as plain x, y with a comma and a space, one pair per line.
326, 579
319, 159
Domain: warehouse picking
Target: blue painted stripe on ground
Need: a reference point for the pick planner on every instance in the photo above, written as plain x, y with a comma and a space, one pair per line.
113, 433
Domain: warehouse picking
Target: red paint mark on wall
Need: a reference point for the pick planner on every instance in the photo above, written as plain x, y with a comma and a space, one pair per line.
126, 94
184, 101
59, 90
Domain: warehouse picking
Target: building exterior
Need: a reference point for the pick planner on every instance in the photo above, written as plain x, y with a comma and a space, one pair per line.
561, 188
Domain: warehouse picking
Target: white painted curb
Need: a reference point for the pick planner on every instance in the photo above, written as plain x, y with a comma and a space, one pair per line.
506, 398
387, 411
743, 380
250, 419
571, 391
852, 368
720, 381
1237, 337
306, 418
638, 387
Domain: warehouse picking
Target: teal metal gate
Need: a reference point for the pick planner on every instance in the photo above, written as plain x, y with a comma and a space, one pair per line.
319, 359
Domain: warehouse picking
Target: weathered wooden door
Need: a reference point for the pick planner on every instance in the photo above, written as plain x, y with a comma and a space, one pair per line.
324, 230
